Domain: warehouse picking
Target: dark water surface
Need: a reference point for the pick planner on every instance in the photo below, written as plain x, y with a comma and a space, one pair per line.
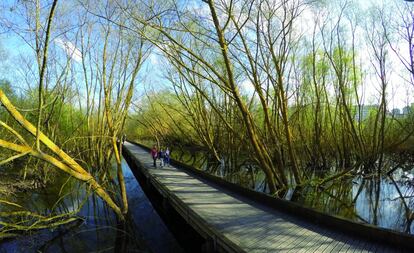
386, 201
99, 232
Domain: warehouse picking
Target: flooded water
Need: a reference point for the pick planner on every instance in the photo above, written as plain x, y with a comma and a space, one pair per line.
386, 202
99, 231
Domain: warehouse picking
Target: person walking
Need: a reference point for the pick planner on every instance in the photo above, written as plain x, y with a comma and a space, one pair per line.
167, 157
154, 154
161, 156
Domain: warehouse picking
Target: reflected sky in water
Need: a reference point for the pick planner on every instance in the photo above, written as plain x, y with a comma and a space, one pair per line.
385, 202
99, 232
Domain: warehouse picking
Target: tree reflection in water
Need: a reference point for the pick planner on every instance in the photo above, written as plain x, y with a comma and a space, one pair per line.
384, 201
99, 230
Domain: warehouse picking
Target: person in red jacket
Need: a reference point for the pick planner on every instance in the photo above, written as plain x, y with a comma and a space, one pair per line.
154, 154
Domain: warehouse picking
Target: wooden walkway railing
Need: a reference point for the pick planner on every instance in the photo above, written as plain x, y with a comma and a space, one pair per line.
234, 219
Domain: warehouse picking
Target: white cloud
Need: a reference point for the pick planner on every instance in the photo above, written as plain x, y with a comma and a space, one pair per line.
70, 49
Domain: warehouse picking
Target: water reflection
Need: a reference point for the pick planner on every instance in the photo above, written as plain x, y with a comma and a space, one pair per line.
99, 230
382, 201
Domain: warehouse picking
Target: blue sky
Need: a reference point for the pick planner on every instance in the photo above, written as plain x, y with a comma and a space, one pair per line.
151, 75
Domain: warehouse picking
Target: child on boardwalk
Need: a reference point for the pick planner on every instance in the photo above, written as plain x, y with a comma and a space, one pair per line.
167, 157
161, 156
154, 154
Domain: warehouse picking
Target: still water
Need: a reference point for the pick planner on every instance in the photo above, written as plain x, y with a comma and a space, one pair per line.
386, 201
98, 231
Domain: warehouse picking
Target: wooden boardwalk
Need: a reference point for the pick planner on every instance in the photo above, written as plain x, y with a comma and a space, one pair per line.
239, 224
